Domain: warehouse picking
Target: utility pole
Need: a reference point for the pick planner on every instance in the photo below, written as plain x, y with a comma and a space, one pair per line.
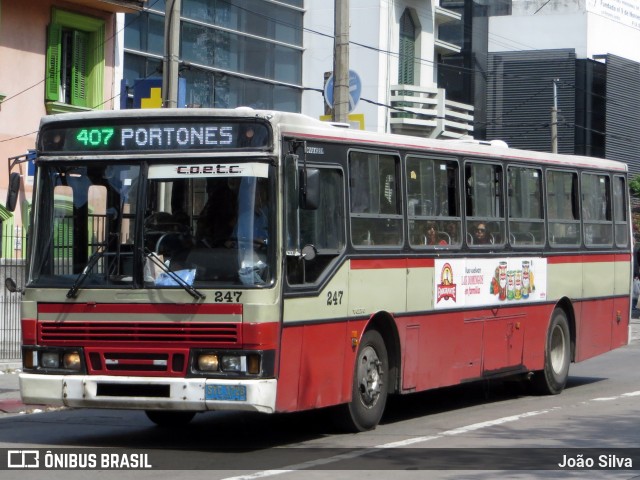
554, 118
170, 62
341, 62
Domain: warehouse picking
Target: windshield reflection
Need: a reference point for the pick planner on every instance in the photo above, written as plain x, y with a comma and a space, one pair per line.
206, 229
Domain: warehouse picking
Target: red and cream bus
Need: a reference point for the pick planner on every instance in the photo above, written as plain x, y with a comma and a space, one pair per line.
182, 261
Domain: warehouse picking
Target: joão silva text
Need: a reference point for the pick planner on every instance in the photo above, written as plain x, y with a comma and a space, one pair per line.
604, 461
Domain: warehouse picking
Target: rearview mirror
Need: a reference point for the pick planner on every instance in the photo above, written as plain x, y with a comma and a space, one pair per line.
310, 188
12, 191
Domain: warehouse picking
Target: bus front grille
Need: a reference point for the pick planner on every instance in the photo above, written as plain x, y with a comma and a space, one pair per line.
141, 333
145, 362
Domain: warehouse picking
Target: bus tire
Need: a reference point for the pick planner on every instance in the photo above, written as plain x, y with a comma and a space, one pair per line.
370, 385
170, 418
557, 357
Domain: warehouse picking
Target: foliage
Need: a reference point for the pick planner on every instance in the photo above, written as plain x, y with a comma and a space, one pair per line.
634, 186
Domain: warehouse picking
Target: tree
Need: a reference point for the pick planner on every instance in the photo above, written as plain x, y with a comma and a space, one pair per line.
634, 186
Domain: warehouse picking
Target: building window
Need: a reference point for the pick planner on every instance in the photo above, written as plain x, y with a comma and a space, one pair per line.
407, 49
241, 52
75, 62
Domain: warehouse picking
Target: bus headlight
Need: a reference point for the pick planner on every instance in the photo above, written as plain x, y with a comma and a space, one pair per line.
71, 361
54, 360
50, 360
231, 363
208, 362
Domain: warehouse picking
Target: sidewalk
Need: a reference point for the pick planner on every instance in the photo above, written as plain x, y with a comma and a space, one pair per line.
10, 402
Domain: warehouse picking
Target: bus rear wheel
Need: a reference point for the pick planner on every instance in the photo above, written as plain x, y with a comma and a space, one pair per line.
370, 385
557, 357
168, 418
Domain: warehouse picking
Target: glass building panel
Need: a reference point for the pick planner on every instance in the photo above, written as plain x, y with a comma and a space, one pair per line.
199, 88
288, 65
137, 67
286, 99
255, 17
205, 44
198, 44
134, 31
145, 32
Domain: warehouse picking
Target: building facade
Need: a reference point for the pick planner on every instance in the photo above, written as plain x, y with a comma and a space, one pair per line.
232, 53
588, 50
56, 56
395, 50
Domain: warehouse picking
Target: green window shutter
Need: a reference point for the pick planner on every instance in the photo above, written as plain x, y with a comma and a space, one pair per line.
52, 84
79, 69
407, 49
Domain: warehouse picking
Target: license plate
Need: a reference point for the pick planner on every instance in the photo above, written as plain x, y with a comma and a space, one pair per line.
234, 393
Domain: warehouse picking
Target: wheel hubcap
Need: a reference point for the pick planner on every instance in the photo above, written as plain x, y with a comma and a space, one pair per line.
369, 377
557, 349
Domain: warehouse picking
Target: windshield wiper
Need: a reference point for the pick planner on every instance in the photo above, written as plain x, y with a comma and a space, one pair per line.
93, 259
174, 276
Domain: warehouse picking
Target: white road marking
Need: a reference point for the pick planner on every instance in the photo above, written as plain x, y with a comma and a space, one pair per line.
412, 441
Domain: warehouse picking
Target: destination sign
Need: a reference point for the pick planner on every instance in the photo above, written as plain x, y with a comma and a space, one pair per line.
191, 136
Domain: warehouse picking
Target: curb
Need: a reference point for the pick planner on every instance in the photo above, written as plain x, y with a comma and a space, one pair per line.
10, 365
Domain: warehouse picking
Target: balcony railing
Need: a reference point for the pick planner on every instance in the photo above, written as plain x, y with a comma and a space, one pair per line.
425, 112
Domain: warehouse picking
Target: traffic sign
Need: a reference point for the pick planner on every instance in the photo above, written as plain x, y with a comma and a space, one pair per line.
355, 90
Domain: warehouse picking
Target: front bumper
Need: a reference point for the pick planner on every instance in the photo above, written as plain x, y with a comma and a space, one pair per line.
84, 391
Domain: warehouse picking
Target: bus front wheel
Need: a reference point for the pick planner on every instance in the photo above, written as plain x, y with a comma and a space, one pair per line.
370, 384
170, 418
557, 357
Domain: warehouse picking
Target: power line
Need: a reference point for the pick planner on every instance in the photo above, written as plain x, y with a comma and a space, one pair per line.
470, 70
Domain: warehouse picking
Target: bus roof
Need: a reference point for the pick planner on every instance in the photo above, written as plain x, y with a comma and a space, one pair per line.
298, 125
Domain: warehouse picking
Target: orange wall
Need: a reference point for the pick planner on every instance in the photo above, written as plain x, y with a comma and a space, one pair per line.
23, 38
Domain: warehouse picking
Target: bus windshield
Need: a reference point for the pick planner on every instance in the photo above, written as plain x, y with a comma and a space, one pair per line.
104, 225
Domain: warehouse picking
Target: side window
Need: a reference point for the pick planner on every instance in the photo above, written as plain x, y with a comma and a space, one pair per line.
432, 202
620, 211
323, 227
562, 208
596, 209
75, 55
526, 214
376, 217
484, 202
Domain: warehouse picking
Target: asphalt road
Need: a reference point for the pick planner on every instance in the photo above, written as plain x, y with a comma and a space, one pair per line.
441, 434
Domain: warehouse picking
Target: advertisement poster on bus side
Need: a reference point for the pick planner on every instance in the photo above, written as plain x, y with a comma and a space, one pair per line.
495, 281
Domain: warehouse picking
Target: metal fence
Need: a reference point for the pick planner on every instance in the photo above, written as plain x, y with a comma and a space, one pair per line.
15, 268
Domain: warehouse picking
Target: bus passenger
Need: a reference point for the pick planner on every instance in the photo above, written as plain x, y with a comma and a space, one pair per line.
480, 235
431, 235
451, 229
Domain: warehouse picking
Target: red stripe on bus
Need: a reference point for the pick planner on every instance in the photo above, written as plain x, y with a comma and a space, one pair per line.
600, 258
378, 264
420, 262
141, 308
